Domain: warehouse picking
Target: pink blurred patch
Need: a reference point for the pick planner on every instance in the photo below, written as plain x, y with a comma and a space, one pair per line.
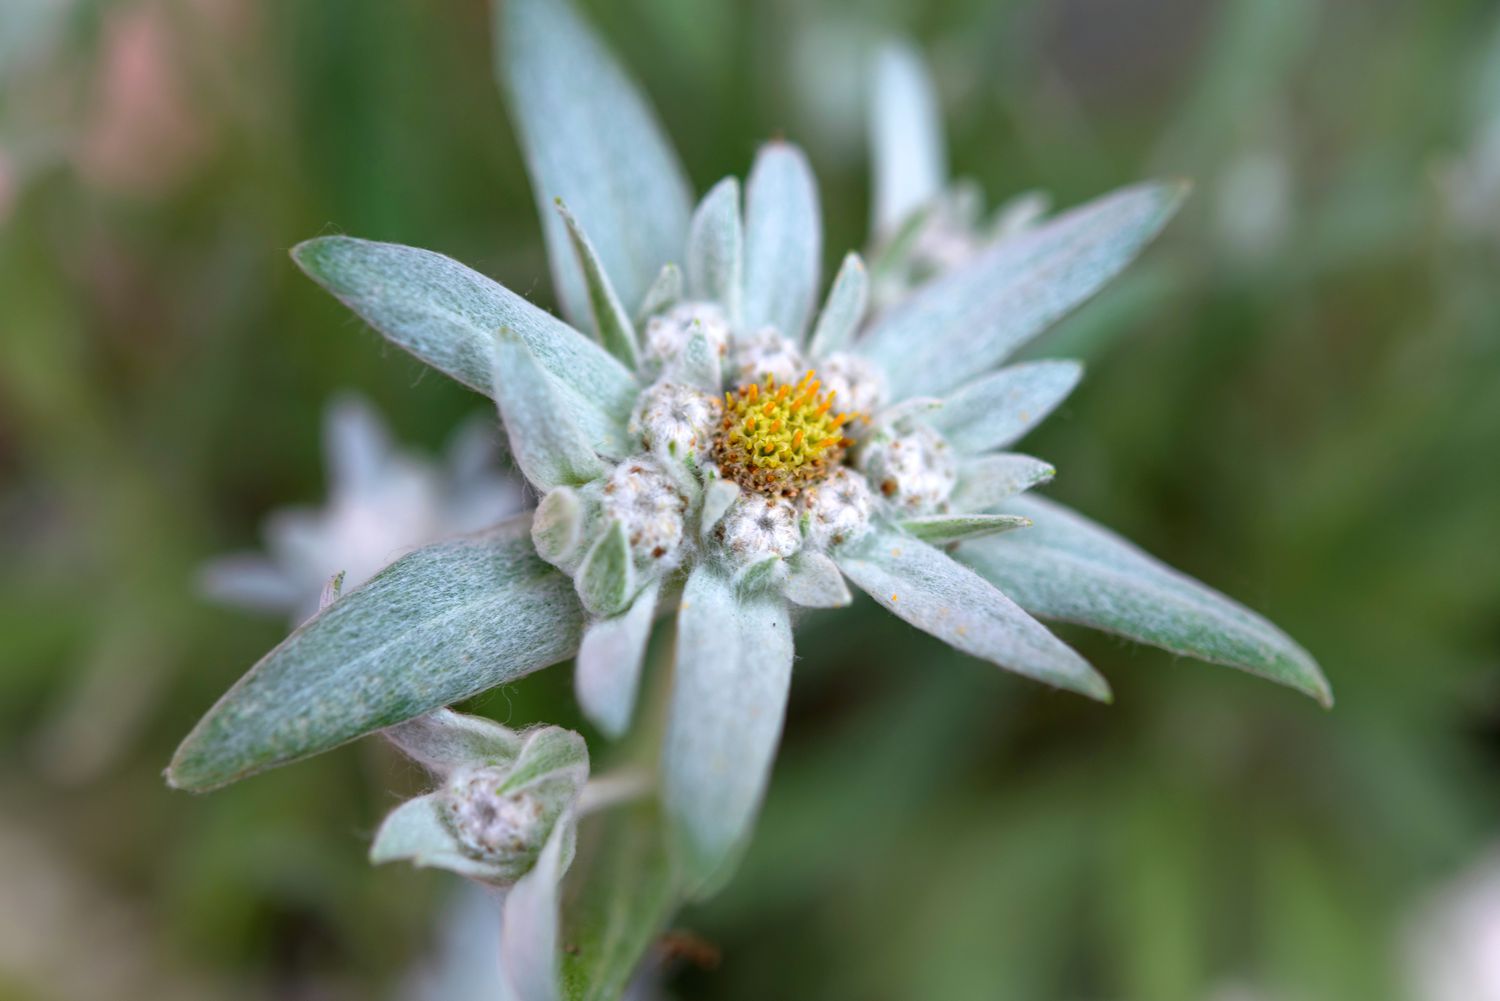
144, 136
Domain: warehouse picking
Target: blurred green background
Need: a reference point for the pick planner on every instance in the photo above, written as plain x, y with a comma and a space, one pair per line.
1294, 396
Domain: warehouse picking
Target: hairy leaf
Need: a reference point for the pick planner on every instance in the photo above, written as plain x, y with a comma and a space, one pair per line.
1068, 568
437, 626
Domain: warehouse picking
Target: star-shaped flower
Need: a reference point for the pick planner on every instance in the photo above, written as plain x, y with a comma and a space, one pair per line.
708, 442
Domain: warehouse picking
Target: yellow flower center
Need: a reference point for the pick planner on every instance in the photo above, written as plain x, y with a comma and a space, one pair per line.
777, 439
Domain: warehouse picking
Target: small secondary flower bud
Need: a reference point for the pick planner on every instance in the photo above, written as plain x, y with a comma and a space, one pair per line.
765, 352
838, 509
757, 528
491, 825
857, 385
643, 498
668, 334
676, 420
915, 471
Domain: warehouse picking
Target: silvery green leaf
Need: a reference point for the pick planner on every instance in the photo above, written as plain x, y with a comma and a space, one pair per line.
590, 139
443, 739
839, 320
529, 956
1068, 568
441, 624
557, 526
553, 755
783, 242
664, 293
970, 319
926, 588
940, 529
990, 479
996, 410
700, 365
615, 330
619, 898
716, 249
606, 580
547, 441
815, 581
417, 832
609, 663
447, 315
729, 691
717, 497
906, 139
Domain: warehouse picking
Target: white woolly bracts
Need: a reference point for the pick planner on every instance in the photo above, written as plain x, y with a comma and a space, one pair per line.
491, 825
668, 334
838, 509
645, 499
914, 470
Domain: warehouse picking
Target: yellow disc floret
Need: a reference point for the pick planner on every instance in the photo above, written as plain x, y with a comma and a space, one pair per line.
777, 439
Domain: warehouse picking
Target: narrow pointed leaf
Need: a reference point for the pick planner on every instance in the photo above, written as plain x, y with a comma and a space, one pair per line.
991, 479
815, 582
907, 150
700, 365
928, 589
716, 249
447, 315
591, 139
442, 624
783, 242
547, 439
609, 664
550, 754
940, 529
664, 293
971, 319
611, 321
443, 739
606, 580
996, 410
839, 320
1068, 568
729, 692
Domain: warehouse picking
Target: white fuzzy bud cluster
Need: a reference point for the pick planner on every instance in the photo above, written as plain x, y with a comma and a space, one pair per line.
489, 824
668, 334
765, 352
838, 509
857, 384
676, 420
757, 528
915, 470
643, 497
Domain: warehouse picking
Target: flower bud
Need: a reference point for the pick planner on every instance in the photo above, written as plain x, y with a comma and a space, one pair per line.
645, 500
915, 471
838, 509
765, 352
668, 334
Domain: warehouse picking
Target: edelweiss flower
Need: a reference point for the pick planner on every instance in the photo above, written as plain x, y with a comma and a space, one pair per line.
923, 223
382, 504
705, 440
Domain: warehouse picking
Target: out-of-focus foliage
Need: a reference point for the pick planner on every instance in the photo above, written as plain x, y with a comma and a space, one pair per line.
1293, 398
